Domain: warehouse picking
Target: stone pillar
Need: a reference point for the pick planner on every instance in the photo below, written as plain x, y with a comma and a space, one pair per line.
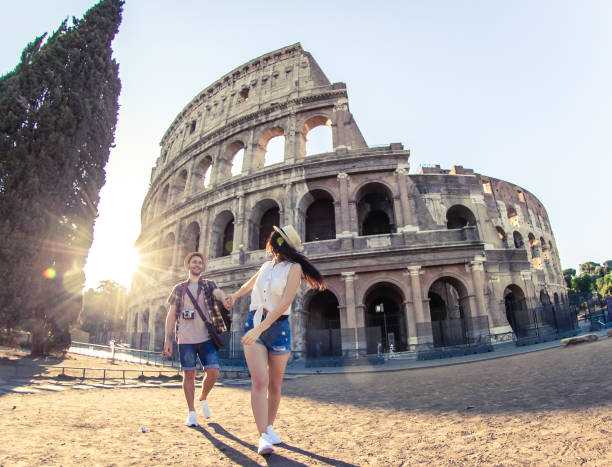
408, 215
189, 183
249, 164
292, 143
240, 230
287, 214
355, 342
477, 267
409, 315
344, 209
417, 300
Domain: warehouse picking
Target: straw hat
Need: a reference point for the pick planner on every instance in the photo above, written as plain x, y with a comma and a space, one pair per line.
191, 255
290, 236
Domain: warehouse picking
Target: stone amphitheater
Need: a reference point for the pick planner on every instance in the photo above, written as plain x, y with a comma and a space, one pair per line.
402, 253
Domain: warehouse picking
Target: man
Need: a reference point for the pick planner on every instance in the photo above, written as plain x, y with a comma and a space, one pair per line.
192, 334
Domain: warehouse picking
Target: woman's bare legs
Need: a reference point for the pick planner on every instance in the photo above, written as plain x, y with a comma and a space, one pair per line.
257, 359
277, 365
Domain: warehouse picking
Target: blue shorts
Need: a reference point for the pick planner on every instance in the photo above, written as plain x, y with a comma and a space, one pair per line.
205, 351
277, 338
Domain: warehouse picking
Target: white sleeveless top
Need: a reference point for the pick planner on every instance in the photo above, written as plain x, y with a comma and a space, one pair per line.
268, 289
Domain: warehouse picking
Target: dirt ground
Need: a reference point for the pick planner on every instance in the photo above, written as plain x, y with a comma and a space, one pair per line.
552, 407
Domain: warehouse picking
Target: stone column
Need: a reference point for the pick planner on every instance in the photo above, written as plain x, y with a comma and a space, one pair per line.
287, 214
417, 299
410, 323
239, 227
409, 217
343, 221
249, 164
338, 130
292, 136
352, 321
477, 267
189, 183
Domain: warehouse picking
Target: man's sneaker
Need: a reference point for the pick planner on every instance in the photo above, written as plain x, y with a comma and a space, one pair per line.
272, 436
192, 419
204, 410
265, 446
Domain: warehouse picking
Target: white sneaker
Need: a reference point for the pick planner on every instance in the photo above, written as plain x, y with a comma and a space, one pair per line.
272, 436
204, 410
192, 419
265, 446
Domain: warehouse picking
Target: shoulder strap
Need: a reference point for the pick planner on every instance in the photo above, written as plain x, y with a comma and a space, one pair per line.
197, 306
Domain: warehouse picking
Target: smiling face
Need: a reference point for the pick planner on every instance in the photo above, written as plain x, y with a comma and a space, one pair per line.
196, 265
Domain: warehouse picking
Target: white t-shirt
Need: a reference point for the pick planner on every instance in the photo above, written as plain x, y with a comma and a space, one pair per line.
270, 285
192, 331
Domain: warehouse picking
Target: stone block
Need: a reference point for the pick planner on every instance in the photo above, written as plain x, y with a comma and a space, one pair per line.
579, 339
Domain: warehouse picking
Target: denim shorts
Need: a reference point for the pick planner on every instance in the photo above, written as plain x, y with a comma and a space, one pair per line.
277, 338
205, 351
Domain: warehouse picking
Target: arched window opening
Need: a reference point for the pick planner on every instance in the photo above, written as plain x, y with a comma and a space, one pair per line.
533, 246
323, 338
135, 322
502, 236
516, 308
202, 173
228, 239
385, 321
167, 251
459, 216
268, 221
275, 151
512, 217
544, 297
181, 183
222, 235
317, 136
263, 216
191, 239
160, 323
163, 199
448, 302
320, 218
556, 298
518, 239
375, 210
237, 162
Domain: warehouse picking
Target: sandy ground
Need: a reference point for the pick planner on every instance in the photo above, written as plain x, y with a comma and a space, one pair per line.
551, 407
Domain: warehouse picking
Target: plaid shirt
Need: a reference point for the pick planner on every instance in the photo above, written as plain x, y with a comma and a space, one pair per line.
208, 287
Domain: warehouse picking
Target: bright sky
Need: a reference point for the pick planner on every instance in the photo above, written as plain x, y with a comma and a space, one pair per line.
518, 90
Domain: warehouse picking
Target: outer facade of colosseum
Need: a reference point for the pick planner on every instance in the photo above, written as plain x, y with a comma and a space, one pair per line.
401, 253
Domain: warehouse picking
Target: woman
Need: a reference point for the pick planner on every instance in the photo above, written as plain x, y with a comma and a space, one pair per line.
267, 333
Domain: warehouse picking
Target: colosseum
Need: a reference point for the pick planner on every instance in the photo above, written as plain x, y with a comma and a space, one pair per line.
407, 257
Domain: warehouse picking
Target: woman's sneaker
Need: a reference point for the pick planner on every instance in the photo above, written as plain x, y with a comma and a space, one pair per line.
204, 409
265, 446
192, 419
272, 436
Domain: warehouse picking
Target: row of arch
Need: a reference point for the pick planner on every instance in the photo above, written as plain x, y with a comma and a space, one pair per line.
384, 318
317, 211
271, 148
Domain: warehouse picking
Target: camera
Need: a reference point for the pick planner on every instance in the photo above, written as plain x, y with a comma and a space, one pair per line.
188, 314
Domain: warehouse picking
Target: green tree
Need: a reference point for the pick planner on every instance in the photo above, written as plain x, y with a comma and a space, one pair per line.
567, 275
58, 111
603, 285
583, 283
594, 269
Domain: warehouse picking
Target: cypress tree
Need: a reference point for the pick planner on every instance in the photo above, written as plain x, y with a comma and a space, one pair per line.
58, 112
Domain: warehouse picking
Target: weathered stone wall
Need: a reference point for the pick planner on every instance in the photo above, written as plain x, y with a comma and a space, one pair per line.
440, 226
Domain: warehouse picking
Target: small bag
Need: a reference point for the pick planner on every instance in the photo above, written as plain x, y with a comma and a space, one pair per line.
212, 331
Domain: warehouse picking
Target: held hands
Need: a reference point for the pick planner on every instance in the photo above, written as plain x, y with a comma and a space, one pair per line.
168, 348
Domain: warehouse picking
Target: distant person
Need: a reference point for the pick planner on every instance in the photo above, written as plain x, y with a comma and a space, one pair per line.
267, 333
192, 335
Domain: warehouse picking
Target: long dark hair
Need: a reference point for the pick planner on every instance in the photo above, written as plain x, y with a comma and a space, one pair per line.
278, 247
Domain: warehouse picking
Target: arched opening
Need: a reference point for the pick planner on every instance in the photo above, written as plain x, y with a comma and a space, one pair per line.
458, 216
181, 182
375, 210
160, 331
317, 136
271, 147
222, 235
323, 338
167, 251
163, 199
544, 297
320, 222
191, 239
264, 215
512, 216
502, 236
516, 308
533, 246
518, 239
385, 321
448, 309
236, 157
556, 298
201, 178
144, 335
135, 322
